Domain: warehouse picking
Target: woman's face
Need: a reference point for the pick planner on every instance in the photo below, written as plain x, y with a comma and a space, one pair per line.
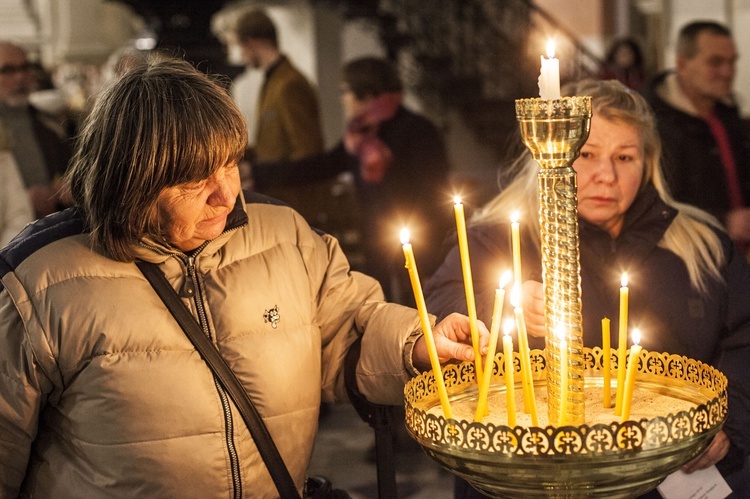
610, 169
196, 212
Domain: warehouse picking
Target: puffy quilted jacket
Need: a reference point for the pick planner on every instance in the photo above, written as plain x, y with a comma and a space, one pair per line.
103, 395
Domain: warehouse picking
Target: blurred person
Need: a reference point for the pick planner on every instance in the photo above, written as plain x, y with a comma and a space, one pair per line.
102, 393
288, 124
624, 63
706, 150
15, 210
400, 165
689, 286
39, 143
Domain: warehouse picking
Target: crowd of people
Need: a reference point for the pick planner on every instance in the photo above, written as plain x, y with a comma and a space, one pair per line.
101, 392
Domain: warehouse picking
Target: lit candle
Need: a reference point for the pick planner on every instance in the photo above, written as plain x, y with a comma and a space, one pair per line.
510, 395
606, 363
549, 78
497, 315
560, 332
527, 382
411, 266
622, 337
515, 238
627, 399
463, 248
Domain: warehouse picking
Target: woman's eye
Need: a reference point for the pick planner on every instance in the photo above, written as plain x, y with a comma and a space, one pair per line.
585, 154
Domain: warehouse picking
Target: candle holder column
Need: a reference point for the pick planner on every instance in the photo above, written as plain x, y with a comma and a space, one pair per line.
554, 131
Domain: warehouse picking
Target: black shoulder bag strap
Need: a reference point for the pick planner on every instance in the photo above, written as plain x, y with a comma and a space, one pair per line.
220, 368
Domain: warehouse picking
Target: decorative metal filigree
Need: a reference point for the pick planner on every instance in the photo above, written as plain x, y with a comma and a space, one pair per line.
673, 372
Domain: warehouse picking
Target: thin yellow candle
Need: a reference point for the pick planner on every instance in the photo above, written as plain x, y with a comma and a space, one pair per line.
497, 315
411, 266
515, 239
560, 332
606, 364
622, 336
527, 382
627, 398
463, 248
510, 395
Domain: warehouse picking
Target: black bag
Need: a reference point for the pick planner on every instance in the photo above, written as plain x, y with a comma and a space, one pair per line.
318, 487
315, 487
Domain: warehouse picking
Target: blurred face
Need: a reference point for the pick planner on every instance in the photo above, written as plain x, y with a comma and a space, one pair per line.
610, 169
196, 212
710, 73
352, 105
16, 76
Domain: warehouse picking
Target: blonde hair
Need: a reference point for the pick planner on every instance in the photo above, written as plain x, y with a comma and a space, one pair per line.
691, 235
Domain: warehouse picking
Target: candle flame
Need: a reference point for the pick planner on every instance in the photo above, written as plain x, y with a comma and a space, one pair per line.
515, 216
515, 296
636, 336
405, 236
508, 326
457, 199
550, 48
505, 278
624, 280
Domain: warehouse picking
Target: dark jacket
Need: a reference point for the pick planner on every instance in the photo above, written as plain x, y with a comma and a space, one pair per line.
713, 328
409, 195
691, 157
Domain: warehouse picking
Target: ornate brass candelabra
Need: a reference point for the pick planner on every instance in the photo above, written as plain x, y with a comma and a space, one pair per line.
554, 131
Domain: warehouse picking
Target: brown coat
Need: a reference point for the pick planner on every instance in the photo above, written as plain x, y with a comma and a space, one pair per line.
288, 117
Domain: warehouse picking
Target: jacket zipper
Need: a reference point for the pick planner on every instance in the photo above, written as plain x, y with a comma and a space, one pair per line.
194, 291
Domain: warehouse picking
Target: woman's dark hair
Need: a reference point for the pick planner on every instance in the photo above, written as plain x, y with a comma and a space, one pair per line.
370, 77
163, 123
631, 44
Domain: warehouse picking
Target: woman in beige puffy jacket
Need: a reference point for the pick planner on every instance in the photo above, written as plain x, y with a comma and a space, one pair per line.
101, 392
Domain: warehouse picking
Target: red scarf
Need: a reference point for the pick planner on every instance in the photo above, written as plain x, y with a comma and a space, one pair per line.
361, 137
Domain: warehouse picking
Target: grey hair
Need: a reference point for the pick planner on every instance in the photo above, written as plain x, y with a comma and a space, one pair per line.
163, 123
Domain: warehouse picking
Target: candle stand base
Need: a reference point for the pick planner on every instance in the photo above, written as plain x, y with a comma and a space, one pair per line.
614, 460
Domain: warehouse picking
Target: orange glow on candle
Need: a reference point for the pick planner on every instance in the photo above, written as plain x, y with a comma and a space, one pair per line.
527, 381
463, 248
622, 336
606, 364
627, 399
497, 315
411, 266
510, 386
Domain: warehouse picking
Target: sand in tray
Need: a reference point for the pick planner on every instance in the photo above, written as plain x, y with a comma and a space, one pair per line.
646, 405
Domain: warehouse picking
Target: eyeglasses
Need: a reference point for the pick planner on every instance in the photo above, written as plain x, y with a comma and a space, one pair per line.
9, 70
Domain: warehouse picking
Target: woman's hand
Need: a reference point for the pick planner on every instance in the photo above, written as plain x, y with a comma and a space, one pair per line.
452, 342
711, 455
532, 297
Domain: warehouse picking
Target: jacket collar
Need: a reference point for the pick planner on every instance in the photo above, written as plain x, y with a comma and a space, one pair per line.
646, 221
157, 250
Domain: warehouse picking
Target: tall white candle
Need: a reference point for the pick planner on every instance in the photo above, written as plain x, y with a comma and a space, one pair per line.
549, 78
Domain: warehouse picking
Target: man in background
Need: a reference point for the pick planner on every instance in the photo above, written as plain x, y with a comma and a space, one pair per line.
38, 141
706, 152
288, 125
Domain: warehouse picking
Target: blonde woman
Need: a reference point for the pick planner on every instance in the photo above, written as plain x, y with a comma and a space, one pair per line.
689, 286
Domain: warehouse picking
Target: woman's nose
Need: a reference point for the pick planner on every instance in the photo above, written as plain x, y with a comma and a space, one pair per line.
605, 171
222, 194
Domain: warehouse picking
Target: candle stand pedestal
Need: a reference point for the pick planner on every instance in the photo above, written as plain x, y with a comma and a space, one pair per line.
614, 460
